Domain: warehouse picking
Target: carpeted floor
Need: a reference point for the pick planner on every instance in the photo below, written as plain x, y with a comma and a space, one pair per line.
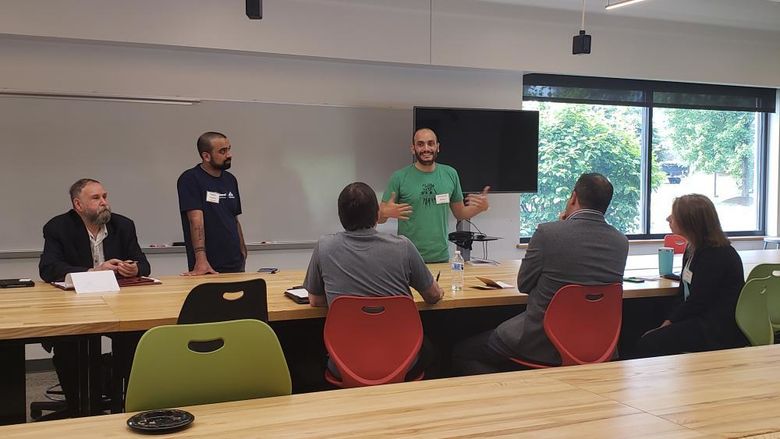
37, 383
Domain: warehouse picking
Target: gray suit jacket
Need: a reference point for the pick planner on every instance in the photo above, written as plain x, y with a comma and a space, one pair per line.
582, 249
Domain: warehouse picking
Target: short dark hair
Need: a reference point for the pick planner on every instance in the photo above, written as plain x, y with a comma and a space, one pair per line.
594, 191
698, 221
78, 186
205, 141
358, 208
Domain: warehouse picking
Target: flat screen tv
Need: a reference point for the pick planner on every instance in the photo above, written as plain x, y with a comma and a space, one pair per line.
496, 148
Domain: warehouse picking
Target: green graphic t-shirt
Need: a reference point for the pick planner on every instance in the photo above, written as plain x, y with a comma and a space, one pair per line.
427, 226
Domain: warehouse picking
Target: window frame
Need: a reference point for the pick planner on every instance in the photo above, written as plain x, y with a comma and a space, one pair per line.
763, 103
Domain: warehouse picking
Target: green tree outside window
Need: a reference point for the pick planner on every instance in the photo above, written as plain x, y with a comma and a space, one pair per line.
575, 139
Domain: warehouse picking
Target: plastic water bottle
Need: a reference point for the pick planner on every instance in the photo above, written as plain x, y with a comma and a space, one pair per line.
457, 266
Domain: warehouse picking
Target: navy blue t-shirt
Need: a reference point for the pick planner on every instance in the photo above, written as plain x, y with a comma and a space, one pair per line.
218, 198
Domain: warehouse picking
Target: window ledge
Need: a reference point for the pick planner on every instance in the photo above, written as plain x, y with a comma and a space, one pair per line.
524, 246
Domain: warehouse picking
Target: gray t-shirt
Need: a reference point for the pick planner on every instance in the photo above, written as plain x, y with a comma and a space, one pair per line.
365, 263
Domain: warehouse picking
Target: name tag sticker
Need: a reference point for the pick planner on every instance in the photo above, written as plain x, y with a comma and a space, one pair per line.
687, 276
442, 199
212, 197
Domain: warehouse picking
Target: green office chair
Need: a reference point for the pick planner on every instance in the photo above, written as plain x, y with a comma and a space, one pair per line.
752, 314
181, 365
763, 270
773, 297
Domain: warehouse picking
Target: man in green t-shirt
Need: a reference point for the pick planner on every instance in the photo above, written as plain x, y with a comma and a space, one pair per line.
418, 196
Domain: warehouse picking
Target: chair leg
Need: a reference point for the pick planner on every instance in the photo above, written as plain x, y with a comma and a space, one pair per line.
55, 409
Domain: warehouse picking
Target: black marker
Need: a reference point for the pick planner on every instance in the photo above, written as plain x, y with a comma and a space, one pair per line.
437, 275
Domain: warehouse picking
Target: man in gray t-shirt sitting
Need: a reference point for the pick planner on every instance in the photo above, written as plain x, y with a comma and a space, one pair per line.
363, 262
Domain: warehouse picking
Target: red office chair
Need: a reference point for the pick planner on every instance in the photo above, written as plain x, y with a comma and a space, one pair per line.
372, 340
677, 242
583, 323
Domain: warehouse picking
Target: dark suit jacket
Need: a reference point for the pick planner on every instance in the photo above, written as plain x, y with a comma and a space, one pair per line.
717, 280
66, 247
582, 250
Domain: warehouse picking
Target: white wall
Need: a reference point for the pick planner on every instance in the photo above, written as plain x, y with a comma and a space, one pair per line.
70, 66
470, 33
376, 30
461, 33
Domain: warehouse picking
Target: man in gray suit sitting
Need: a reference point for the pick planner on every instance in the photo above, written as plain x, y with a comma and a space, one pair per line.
582, 249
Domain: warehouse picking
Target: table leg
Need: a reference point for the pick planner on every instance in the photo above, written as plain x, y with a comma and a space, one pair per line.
90, 386
13, 405
95, 376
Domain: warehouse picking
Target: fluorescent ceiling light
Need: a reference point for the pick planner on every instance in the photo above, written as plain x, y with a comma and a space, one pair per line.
619, 3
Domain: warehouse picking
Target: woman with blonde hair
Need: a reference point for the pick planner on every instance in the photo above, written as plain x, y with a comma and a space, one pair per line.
712, 279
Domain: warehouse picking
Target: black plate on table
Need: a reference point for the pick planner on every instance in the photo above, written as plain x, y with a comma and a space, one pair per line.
160, 421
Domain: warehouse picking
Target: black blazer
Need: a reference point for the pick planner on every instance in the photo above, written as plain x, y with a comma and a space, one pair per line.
66, 247
717, 280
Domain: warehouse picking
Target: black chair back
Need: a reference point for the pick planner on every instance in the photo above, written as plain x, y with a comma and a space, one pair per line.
221, 301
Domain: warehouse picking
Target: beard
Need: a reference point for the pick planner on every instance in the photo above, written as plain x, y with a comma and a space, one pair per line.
418, 157
101, 217
223, 167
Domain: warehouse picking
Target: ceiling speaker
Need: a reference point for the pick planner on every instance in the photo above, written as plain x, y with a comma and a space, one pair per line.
581, 44
254, 9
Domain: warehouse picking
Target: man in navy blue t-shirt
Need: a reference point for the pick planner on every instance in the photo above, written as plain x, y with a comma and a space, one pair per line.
209, 204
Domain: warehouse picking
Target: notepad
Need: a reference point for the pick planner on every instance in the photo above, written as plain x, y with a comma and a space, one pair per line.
298, 295
137, 281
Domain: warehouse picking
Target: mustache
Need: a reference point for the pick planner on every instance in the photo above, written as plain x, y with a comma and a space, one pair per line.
419, 157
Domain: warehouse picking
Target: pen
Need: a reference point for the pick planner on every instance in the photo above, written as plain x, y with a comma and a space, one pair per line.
437, 275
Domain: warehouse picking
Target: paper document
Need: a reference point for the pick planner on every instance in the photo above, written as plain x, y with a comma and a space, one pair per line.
495, 283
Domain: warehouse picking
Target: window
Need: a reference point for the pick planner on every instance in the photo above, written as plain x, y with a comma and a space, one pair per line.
711, 153
655, 141
579, 138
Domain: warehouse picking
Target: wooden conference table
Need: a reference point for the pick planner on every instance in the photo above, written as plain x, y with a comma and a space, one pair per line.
45, 311
731, 393
42, 312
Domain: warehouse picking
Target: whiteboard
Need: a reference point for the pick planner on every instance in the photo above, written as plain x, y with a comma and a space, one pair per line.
291, 161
